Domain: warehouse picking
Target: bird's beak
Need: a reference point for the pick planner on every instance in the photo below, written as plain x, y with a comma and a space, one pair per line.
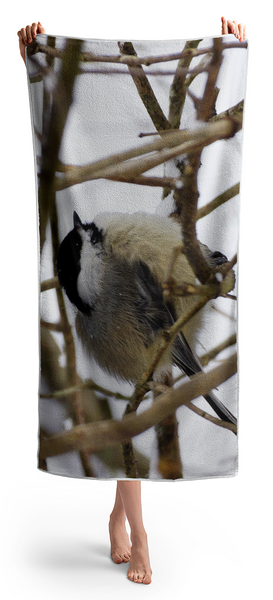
76, 220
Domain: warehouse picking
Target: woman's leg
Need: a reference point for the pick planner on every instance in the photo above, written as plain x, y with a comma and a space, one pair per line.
139, 566
120, 543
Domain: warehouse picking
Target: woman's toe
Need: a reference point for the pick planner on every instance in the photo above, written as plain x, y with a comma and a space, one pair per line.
117, 558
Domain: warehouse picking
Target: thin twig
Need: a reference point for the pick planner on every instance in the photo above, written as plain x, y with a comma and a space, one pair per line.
233, 111
49, 284
149, 72
211, 355
218, 201
88, 384
52, 326
207, 416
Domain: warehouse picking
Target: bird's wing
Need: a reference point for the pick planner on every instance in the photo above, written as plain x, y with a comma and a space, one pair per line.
150, 306
158, 315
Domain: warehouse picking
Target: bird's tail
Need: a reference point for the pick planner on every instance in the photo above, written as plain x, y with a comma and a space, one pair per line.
185, 359
220, 409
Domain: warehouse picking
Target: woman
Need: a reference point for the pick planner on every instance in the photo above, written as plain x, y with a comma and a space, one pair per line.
128, 493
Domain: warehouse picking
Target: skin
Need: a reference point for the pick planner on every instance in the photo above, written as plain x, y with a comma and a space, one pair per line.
239, 30
128, 493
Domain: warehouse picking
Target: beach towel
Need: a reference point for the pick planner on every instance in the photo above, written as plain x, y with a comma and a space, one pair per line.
138, 151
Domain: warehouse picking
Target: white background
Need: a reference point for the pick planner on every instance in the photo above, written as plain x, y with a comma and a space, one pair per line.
207, 539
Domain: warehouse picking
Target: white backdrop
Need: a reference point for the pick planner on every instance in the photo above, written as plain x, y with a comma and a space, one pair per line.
207, 538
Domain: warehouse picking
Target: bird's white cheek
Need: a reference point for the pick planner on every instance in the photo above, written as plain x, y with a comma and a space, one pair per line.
89, 280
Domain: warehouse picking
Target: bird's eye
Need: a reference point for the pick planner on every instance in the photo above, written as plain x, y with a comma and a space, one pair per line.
96, 236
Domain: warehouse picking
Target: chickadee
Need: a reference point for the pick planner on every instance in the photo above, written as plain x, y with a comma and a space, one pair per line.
112, 271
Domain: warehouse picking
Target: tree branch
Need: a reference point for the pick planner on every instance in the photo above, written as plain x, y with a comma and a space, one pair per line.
218, 201
99, 435
145, 90
207, 416
35, 47
53, 129
168, 145
178, 89
186, 198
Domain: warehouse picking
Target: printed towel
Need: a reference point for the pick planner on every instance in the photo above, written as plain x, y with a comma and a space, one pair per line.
138, 161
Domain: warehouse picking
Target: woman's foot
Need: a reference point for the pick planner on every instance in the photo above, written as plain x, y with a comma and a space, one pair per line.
139, 566
119, 539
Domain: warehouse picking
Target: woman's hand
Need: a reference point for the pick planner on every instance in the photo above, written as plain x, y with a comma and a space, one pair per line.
233, 27
27, 35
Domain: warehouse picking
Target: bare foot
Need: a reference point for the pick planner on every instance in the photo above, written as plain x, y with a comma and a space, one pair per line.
139, 566
120, 543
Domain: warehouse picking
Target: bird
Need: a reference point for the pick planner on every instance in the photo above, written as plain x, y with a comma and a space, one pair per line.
112, 270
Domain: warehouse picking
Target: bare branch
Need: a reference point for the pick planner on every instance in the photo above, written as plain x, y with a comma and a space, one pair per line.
178, 89
88, 384
119, 166
202, 68
207, 416
206, 108
99, 435
52, 326
218, 201
186, 198
49, 284
145, 90
35, 47
169, 454
53, 130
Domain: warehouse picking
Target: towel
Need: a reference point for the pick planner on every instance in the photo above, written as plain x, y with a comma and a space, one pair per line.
138, 149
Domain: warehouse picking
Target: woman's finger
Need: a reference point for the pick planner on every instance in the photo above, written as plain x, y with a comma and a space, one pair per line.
224, 26
23, 35
41, 29
236, 33
241, 31
34, 28
28, 33
232, 27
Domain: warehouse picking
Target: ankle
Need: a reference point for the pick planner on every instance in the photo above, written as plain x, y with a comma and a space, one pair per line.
117, 517
138, 535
